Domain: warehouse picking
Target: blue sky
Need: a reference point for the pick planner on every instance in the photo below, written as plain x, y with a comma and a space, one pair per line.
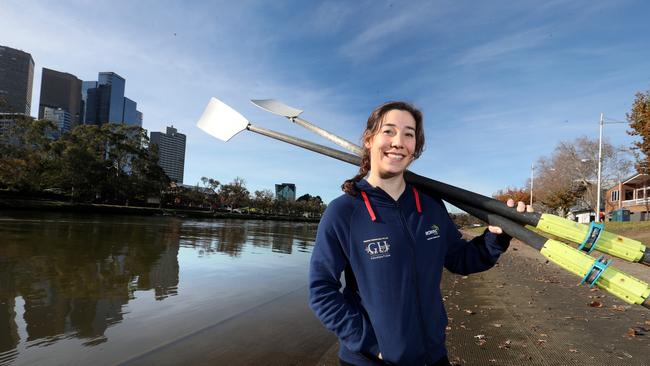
500, 82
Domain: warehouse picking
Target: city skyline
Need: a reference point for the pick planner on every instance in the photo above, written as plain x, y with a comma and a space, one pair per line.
499, 84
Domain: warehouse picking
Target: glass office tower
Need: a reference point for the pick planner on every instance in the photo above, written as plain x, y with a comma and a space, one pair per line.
285, 191
130, 116
111, 97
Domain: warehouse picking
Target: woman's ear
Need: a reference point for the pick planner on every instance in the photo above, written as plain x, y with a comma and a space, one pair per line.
366, 142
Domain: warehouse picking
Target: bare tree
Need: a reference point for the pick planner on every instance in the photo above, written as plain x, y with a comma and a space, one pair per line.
569, 176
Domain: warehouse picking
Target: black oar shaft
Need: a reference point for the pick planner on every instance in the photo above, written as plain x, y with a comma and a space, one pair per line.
447, 191
508, 226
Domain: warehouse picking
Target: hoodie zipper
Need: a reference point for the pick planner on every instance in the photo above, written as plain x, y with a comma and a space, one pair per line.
415, 280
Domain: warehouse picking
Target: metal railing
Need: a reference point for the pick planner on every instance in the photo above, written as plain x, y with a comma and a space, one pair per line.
636, 202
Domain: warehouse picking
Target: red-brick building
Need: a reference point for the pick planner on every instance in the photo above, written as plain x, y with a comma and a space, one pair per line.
632, 194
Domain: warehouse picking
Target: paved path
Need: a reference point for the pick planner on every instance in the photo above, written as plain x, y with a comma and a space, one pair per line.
528, 311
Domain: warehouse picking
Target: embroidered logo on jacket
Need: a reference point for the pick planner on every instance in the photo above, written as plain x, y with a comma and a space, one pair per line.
433, 233
377, 248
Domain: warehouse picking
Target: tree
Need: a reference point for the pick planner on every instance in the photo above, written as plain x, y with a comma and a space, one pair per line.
263, 200
210, 191
569, 176
234, 194
517, 194
149, 178
639, 119
210, 183
26, 160
81, 163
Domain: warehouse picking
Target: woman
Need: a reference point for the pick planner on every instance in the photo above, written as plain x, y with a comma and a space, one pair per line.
391, 242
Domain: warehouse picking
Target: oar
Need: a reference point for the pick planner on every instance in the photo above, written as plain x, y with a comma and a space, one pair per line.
276, 107
589, 237
223, 122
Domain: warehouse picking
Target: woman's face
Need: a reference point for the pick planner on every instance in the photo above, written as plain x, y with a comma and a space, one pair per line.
392, 147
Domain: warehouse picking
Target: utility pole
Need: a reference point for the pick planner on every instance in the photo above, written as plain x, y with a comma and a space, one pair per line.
532, 177
600, 163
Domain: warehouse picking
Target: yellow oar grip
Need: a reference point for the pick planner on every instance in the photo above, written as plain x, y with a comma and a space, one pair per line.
620, 284
612, 244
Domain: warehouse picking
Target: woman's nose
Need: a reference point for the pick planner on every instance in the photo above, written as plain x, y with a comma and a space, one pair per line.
396, 141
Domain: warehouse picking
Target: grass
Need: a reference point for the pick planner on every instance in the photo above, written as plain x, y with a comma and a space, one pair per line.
633, 230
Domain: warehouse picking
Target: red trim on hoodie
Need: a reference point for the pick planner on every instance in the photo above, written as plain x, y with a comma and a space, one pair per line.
368, 207
417, 200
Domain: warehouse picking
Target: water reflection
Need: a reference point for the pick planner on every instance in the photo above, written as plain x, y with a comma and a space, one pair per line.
71, 277
229, 236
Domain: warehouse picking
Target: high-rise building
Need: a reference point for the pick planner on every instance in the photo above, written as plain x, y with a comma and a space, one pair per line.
60, 92
171, 152
111, 106
103, 101
285, 191
16, 79
85, 101
130, 115
60, 116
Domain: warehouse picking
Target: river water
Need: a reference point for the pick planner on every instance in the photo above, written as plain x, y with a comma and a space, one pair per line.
96, 289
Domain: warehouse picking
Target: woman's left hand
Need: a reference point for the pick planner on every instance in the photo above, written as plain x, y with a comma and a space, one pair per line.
521, 207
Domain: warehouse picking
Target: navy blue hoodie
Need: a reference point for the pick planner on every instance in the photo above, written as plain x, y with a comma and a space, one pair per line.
393, 264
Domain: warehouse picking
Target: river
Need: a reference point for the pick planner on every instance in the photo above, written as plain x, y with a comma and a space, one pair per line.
98, 289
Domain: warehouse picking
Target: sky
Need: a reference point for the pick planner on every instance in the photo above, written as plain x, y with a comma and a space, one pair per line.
500, 83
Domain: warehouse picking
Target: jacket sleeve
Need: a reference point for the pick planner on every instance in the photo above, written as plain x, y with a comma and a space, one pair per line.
333, 309
477, 255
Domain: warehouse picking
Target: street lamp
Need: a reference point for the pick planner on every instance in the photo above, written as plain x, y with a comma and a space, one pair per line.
600, 160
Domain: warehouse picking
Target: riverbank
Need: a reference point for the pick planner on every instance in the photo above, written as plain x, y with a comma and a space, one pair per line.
40, 205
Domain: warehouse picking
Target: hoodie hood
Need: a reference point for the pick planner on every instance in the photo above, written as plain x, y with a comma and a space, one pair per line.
375, 196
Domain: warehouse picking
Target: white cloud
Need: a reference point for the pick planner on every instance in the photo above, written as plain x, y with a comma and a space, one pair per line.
499, 48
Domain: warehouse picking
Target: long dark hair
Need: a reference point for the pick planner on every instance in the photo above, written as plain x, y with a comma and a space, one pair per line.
372, 128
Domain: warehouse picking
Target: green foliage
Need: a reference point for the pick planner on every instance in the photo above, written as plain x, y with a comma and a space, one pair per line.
26, 160
234, 194
639, 119
263, 200
114, 164
109, 163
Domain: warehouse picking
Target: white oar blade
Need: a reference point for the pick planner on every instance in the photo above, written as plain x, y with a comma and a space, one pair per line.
221, 121
277, 107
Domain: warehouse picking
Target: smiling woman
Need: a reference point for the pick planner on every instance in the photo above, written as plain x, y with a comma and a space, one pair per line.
391, 242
